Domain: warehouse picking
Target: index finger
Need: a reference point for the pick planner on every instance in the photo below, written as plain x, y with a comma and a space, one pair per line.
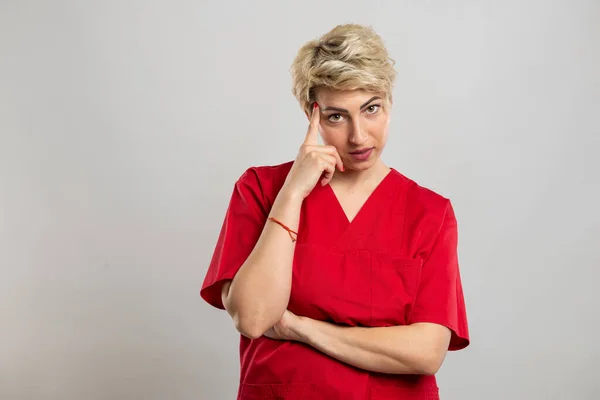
313, 128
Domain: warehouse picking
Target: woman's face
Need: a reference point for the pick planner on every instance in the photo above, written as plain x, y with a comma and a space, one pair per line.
356, 123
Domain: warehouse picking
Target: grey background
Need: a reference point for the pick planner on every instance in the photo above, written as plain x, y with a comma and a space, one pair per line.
123, 126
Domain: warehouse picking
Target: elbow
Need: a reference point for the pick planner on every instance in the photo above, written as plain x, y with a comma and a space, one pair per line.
251, 331
245, 325
252, 320
251, 327
430, 368
253, 323
430, 364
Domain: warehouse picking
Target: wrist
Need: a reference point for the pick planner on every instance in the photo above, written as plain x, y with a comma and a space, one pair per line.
302, 329
287, 204
290, 196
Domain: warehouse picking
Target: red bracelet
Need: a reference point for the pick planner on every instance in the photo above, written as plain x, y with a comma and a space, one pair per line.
289, 231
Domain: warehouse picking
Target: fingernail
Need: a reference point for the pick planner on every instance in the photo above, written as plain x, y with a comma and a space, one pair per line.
342, 168
315, 105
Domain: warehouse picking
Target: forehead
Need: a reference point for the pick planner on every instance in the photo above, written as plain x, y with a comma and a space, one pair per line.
348, 99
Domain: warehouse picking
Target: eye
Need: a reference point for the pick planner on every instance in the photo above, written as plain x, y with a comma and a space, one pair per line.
335, 117
373, 108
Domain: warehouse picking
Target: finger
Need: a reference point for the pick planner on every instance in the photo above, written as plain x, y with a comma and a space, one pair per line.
328, 172
329, 159
338, 159
327, 150
313, 128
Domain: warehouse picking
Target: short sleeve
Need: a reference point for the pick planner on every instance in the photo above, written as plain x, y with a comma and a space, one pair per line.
440, 296
244, 221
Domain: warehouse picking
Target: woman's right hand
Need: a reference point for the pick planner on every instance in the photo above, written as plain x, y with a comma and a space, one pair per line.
314, 162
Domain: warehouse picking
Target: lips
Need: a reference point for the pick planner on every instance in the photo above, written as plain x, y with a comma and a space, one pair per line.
362, 151
362, 154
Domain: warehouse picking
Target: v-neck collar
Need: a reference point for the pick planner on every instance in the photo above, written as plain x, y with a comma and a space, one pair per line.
364, 208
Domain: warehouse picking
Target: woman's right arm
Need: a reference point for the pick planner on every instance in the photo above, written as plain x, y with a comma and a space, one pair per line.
259, 293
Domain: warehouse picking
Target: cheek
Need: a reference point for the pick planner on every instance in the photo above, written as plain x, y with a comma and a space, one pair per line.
333, 136
379, 129
384, 135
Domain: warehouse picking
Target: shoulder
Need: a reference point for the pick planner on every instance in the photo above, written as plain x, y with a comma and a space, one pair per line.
267, 173
264, 180
419, 196
425, 203
428, 214
266, 176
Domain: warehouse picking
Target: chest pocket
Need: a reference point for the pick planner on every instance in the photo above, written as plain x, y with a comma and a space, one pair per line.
394, 282
331, 286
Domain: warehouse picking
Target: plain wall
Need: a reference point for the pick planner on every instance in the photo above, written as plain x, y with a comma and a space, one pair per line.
124, 125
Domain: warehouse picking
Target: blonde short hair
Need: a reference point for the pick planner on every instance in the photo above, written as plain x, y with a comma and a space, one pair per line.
348, 57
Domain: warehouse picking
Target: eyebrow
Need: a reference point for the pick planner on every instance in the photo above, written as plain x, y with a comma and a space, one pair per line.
343, 110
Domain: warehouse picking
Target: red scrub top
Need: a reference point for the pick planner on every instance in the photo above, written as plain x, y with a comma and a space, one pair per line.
395, 263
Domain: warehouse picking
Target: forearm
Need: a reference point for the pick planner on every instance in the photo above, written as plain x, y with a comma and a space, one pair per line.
414, 349
260, 291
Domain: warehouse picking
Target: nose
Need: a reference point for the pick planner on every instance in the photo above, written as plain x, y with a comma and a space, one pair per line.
357, 135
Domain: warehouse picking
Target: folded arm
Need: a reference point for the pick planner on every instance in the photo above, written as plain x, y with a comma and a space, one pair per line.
413, 349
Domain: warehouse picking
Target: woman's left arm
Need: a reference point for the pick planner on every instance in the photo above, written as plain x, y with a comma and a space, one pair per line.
419, 348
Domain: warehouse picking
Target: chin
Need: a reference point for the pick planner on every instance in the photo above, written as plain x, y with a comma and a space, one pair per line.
363, 166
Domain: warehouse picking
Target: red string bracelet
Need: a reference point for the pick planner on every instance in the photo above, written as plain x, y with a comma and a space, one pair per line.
289, 231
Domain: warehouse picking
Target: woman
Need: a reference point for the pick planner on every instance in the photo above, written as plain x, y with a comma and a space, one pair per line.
340, 273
